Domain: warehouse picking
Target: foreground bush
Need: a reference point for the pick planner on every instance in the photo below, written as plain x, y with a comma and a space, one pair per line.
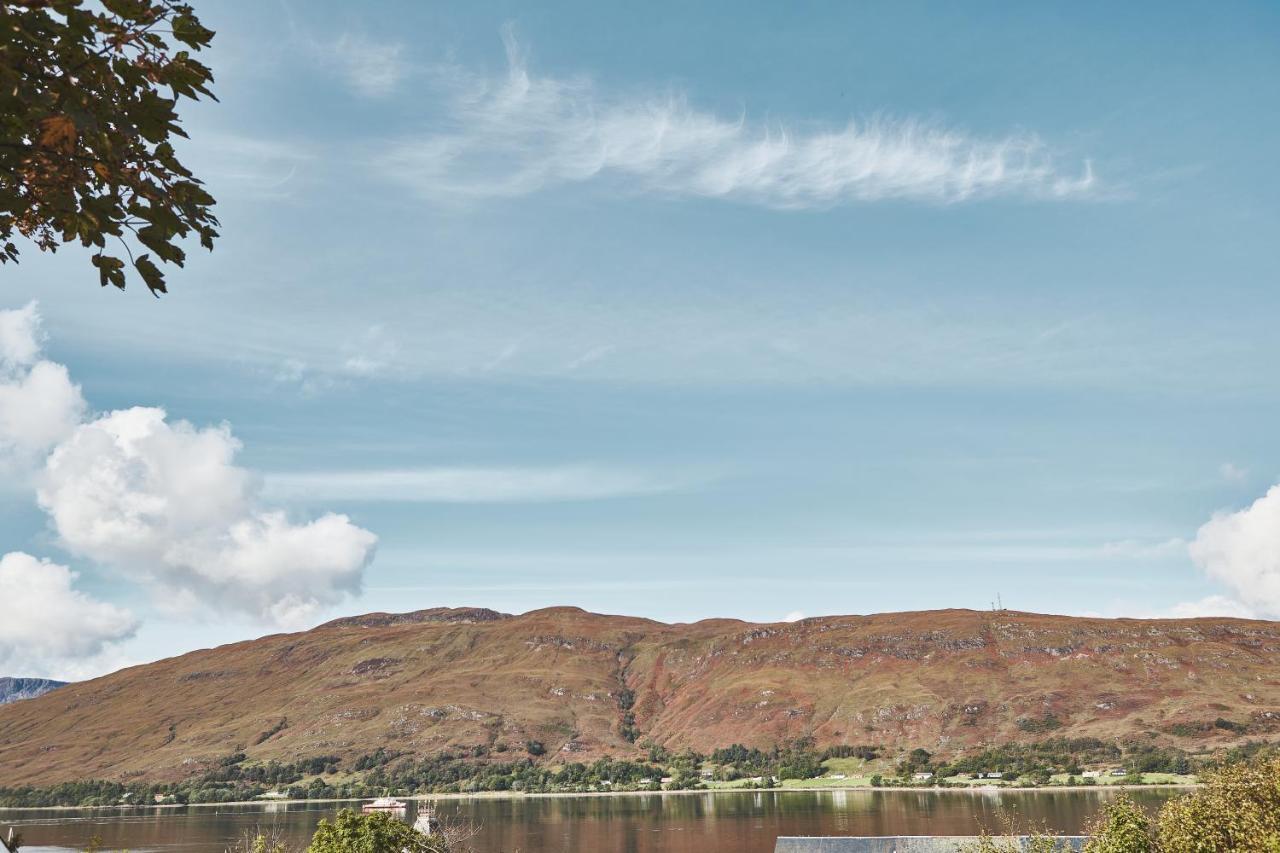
352, 832
1237, 811
1123, 828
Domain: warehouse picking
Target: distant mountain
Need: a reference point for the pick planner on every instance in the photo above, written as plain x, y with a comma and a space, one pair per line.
15, 689
479, 683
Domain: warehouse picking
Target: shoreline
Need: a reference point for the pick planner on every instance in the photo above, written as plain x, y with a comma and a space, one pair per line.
521, 795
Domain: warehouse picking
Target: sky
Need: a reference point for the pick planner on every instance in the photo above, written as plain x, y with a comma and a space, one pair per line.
727, 310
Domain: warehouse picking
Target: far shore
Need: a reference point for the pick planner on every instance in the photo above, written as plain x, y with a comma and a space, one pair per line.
521, 795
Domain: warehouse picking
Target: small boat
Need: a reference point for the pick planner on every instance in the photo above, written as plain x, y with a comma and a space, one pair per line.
384, 804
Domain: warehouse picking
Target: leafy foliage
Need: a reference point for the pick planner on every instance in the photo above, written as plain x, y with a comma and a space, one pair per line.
1123, 828
1238, 810
917, 761
88, 112
1066, 755
626, 698
352, 832
795, 760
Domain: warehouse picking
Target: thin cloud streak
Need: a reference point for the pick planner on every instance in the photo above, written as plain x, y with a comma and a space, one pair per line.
517, 135
472, 485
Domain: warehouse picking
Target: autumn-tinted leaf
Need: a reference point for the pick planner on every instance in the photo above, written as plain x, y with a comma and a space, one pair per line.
58, 132
151, 275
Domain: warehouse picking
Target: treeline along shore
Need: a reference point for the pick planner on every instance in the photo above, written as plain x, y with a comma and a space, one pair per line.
1052, 763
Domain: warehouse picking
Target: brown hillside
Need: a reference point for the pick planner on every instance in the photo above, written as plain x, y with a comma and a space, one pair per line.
425, 681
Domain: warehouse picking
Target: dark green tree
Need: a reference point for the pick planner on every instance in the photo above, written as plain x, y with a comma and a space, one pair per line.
88, 112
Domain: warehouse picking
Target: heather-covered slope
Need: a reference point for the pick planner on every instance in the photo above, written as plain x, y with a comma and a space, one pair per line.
466, 678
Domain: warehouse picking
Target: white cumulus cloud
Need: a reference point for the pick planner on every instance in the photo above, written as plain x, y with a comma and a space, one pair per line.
162, 501
39, 404
1213, 605
46, 622
19, 336
1242, 550
166, 502
515, 135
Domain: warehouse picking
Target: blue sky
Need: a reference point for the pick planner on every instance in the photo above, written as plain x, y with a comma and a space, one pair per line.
727, 310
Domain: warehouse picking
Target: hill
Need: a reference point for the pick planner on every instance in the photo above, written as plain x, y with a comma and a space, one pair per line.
473, 681
17, 689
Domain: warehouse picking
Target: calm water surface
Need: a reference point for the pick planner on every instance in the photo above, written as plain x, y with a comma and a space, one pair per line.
726, 822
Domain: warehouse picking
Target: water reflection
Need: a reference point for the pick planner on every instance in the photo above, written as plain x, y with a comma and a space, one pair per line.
741, 822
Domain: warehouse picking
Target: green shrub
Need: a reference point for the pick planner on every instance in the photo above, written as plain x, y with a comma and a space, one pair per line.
1238, 810
352, 832
1123, 828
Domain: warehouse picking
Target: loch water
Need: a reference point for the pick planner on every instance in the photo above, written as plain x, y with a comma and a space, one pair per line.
701, 822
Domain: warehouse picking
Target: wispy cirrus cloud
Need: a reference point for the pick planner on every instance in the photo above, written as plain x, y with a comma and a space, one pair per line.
473, 485
1233, 473
521, 133
370, 68
248, 167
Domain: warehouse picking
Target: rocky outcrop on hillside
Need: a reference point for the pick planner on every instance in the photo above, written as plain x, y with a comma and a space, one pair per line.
17, 689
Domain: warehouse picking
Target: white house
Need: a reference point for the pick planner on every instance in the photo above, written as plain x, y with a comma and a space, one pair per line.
921, 777
1091, 774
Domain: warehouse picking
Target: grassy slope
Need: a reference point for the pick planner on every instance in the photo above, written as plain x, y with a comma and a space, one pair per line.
462, 679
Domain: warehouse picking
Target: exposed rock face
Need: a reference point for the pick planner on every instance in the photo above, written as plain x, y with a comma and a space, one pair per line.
459, 679
16, 689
